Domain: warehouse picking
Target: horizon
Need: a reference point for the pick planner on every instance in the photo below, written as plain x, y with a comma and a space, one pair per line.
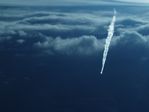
72, 2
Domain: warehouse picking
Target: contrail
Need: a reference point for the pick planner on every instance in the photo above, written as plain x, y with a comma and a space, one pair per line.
108, 40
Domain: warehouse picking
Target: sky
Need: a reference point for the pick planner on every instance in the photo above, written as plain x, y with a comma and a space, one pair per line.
67, 2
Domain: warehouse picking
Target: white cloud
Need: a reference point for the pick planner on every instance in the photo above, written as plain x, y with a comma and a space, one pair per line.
20, 41
84, 45
130, 30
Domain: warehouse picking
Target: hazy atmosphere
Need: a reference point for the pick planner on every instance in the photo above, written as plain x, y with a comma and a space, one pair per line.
51, 55
70, 2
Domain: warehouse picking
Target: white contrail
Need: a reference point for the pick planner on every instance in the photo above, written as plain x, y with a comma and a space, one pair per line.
108, 40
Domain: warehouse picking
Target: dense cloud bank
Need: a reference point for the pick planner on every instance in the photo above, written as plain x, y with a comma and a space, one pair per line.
70, 33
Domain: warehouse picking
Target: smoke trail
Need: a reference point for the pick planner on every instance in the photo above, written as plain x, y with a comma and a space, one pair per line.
108, 40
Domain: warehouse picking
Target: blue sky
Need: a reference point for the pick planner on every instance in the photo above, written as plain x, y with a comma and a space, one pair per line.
67, 2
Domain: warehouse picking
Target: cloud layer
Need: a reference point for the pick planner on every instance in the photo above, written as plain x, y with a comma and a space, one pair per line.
71, 33
53, 56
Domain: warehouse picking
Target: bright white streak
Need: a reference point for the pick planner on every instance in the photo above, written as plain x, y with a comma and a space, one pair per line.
108, 40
